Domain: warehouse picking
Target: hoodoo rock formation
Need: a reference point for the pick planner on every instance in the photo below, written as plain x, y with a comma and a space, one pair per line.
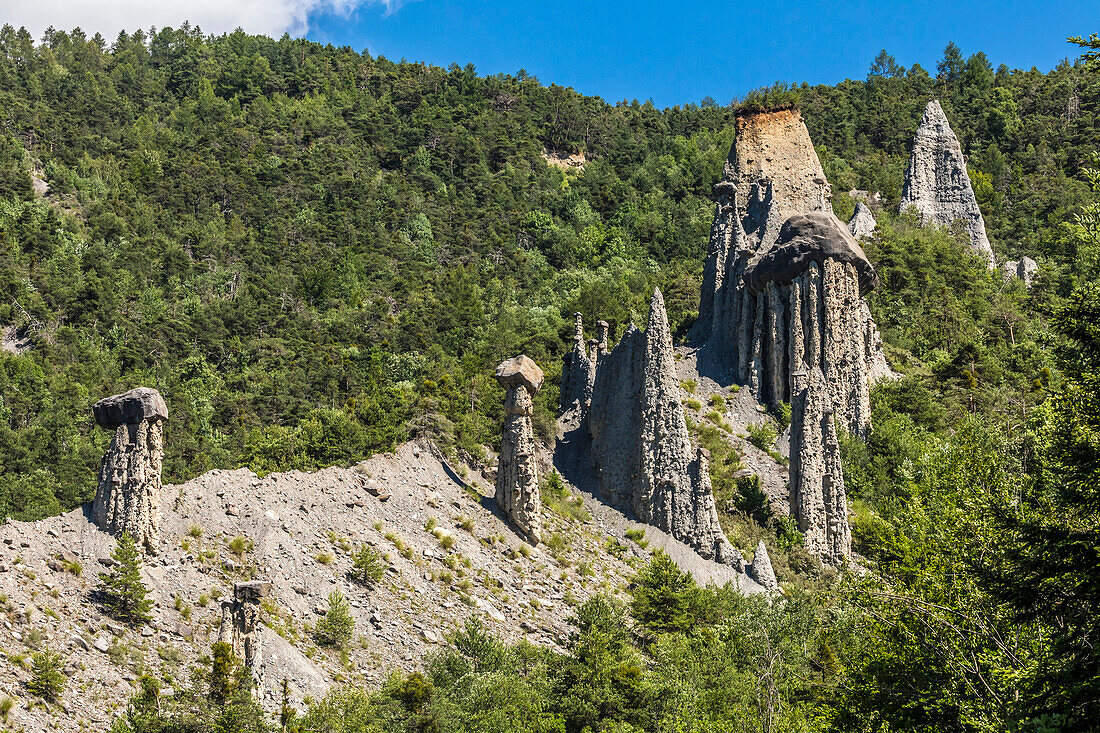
240, 626
937, 184
784, 278
863, 221
641, 446
578, 371
128, 496
818, 501
517, 484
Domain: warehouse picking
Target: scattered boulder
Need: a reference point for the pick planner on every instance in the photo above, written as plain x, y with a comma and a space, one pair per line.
128, 495
862, 223
937, 184
517, 482
519, 370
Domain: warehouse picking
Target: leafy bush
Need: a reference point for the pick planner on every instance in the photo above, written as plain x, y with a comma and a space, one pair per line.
47, 680
559, 500
762, 435
663, 596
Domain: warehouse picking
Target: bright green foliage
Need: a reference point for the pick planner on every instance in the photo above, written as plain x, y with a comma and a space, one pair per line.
663, 597
1049, 570
367, 566
217, 700
47, 680
121, 589
337, 626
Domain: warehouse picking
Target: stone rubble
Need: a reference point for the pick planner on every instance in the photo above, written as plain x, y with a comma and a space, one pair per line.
127, 498
937, 183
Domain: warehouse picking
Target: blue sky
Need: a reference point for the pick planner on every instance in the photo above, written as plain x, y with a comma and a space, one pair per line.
672, 53
675, 53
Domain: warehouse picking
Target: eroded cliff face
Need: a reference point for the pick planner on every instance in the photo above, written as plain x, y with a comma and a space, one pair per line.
640, 442
937, 184
128, 495
766, 304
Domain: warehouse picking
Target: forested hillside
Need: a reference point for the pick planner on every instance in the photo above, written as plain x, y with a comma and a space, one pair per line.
315, 253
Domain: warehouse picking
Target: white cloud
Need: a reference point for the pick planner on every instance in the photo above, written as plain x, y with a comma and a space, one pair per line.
108, 17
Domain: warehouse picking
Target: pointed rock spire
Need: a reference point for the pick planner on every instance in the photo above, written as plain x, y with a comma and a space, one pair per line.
862, 222
761, 569
641, 445
937, 184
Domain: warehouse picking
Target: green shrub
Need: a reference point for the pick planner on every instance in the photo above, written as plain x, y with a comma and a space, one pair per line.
637, 536
47, 680
663, 596
558, 499
240, 545
367, 566
337, 626
762, 435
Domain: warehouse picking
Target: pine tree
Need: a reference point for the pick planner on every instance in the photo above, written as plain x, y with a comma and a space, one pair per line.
123, 593
47, 680
335, 629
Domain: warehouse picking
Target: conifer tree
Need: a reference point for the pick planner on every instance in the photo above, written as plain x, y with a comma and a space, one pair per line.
122, 592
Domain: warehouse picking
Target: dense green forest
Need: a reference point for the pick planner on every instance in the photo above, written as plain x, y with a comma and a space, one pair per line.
314, 254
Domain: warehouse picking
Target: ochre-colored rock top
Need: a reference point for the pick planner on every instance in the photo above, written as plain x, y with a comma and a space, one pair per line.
519, 370
137, 405
805, 238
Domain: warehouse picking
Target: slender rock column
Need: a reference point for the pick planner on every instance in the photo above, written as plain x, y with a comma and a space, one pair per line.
818, 501
127, 498
240, 626
577, 372
517, 486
